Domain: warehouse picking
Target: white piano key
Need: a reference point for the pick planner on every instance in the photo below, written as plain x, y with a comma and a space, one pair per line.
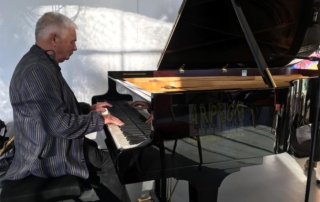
120, 139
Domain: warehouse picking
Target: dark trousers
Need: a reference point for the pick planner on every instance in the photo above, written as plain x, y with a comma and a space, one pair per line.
102, 174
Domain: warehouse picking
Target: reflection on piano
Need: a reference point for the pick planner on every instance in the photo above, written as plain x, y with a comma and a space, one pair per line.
216, 113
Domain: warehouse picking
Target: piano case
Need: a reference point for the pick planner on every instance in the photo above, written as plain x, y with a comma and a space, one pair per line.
215, 71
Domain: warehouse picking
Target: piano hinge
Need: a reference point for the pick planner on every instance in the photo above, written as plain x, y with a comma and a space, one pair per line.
145, 199
244, 73
224, 68
181, 69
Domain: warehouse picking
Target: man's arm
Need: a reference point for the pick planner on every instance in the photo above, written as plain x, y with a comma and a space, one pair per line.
43, 96
85, 108
99, 107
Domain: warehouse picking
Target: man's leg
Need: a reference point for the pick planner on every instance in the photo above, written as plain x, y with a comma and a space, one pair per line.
103, 174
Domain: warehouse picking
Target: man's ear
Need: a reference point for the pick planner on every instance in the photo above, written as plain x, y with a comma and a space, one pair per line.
53, 39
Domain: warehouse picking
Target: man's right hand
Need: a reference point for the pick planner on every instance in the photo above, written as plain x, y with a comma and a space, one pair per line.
109, 119
143, 105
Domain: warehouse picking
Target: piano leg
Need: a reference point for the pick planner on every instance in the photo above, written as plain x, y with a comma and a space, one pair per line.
202, 189
206, 187
174, 147
197, 138
199, 150
160, 191
210, 194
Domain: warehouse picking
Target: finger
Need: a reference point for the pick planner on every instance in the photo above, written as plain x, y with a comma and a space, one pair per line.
136, 103
116, 121
149, 120
104, 104
101, 110
133, 103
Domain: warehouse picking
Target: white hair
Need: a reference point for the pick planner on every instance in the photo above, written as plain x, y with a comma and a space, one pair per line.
52, 22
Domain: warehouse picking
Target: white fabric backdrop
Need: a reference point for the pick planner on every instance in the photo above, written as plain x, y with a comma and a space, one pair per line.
113, 35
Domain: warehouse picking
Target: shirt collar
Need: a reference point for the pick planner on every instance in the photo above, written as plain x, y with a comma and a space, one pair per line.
44, 54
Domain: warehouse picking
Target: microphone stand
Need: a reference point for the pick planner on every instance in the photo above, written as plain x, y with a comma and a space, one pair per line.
315, 124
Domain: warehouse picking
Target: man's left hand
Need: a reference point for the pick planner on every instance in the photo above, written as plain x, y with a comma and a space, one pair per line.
100, 107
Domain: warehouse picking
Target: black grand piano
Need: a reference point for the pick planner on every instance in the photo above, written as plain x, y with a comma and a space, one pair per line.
223, 96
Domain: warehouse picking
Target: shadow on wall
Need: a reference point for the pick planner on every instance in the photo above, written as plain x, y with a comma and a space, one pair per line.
112, 35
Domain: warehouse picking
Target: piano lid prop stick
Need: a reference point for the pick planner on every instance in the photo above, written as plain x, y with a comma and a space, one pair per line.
270, 77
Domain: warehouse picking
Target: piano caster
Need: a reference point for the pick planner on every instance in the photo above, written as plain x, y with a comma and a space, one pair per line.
145, 199
306, 165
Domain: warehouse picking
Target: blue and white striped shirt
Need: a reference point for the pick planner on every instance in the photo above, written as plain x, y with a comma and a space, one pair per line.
49, 128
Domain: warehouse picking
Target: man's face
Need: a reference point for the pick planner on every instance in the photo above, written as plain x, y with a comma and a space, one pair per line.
65, 45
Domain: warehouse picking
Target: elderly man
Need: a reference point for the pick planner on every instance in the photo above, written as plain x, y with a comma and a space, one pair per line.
49, 123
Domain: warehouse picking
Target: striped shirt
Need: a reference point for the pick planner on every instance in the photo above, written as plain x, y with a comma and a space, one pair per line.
49, 128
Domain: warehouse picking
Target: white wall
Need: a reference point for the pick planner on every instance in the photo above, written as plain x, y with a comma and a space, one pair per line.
113, 35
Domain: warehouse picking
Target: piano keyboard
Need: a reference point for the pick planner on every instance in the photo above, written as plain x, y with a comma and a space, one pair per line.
135, 132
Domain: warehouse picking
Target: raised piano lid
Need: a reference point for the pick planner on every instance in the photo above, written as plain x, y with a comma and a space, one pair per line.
208, 35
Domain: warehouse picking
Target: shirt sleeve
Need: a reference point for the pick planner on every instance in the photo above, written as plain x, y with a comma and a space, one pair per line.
85, 107
45, 99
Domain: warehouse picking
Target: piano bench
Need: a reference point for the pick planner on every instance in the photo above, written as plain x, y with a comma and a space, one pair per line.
33, 189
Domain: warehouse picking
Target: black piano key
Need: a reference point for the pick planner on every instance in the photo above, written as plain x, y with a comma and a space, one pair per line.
135, 128
134, 142
133, 134
136, 138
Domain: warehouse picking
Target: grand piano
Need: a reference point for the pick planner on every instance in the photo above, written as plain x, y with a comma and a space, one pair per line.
223, 96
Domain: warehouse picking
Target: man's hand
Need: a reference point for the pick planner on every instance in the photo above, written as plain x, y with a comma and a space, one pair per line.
100, 107
143, 105
150, 119
109, 119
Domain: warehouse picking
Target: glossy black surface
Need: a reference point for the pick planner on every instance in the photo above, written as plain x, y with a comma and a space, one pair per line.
207, 33
203, 136
213, 130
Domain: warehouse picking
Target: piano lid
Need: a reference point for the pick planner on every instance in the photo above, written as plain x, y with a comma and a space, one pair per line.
208, 35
